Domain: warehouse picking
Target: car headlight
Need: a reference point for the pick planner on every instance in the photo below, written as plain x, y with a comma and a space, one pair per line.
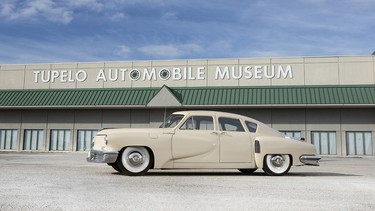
101, 140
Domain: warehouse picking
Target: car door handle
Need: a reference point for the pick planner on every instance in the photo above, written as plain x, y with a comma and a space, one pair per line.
222, 133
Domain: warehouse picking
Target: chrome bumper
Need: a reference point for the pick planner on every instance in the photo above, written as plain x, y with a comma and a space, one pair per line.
102, 156
312, 160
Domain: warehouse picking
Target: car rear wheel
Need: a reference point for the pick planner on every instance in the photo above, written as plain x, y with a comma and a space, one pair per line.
247, 171
277, 165
134, 161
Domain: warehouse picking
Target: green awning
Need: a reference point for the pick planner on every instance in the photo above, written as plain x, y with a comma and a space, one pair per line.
358, 95
283, 95
76, 97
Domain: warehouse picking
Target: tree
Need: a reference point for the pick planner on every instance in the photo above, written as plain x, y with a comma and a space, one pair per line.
373, 53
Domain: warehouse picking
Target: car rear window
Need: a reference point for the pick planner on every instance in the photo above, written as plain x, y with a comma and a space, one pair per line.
251, 126
230, 124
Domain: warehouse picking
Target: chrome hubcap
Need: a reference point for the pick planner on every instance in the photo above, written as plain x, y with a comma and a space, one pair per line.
277, 161
135, 158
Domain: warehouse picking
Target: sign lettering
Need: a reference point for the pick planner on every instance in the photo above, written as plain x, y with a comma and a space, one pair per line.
166, 74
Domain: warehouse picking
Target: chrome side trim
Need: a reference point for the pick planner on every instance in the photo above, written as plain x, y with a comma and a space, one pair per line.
102, 156
312, 160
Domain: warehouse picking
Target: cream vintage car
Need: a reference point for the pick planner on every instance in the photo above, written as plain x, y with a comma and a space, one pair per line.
201, 139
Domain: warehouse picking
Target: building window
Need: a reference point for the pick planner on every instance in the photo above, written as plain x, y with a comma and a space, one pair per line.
358, 143
33, 139
325, 142
60, 140
84, 139
8, 139
292, 134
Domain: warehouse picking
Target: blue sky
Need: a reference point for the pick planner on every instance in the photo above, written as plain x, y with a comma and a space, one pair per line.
47, 31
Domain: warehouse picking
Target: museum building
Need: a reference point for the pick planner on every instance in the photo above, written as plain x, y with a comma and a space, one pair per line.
330, 101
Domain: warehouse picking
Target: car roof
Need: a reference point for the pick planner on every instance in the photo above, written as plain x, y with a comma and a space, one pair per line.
213, 113
262, 128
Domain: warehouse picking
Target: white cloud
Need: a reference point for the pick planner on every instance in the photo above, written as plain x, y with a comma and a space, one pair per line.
26, 50
197, 30
123, 51
171, 51
169, 16
161, 50
6, 9
117, 16
92, 4
15, 10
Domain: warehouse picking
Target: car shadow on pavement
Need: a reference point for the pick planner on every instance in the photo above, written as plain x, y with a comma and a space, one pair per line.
321, 174
183, 173
290, 174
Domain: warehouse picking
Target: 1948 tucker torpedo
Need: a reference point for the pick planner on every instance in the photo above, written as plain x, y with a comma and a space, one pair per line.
201, 139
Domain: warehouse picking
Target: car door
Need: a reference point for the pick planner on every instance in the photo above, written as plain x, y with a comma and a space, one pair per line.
196, 141
235, 142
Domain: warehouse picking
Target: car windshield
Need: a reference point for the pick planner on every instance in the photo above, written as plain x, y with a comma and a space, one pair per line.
172, 121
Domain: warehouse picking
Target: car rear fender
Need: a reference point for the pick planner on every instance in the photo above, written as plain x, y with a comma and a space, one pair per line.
277, 145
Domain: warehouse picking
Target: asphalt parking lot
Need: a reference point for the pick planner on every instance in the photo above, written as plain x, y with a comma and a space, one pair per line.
65, 181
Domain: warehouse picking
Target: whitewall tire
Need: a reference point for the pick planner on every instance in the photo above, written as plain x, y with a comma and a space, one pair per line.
277, 165
135, 161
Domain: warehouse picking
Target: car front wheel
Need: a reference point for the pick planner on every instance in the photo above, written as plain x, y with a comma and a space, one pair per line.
277, 165
134, 161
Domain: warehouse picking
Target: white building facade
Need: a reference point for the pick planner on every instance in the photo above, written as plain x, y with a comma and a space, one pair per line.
330, 101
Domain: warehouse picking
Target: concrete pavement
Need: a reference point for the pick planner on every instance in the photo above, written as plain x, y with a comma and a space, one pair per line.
65, 181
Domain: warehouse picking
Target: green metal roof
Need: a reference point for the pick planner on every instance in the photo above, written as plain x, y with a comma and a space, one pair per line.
283, 95
76, 97
361, 95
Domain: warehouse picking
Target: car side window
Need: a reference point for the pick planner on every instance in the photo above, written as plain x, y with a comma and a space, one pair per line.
251, 126
230, 124
198, 123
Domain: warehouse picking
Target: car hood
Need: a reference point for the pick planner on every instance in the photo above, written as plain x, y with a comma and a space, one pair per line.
135, 130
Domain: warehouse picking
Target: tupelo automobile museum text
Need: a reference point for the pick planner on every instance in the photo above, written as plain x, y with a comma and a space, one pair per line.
329, 101
177, 73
